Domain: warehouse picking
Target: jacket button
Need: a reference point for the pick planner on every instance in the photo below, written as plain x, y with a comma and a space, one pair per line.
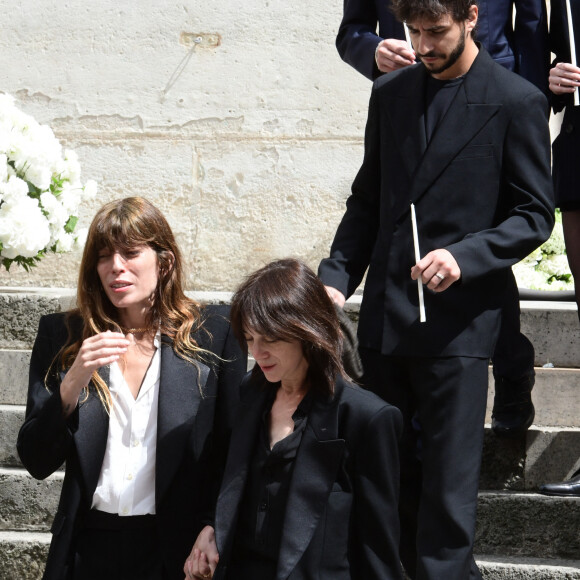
569, 128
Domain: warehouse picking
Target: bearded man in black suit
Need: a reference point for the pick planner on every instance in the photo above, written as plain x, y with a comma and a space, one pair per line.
467, 142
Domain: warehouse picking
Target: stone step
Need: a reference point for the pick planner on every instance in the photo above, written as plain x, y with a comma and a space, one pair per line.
14, 376
23, 554
11, 418
22, 557
527, 525
509, 524
551, 326
28, 504
527, 568
542, 455
556, 397
554, 331
556, 394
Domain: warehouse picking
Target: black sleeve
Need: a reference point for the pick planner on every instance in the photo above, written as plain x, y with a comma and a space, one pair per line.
45, 437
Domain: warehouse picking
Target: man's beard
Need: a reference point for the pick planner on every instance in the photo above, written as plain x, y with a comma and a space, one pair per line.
453, 57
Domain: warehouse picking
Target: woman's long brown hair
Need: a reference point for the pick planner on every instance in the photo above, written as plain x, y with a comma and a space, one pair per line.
121, 225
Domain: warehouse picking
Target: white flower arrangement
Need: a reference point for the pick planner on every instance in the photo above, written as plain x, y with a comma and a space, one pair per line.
40, 190
547, 267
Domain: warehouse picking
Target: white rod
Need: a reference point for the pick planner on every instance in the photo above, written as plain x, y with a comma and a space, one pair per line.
407, 36
422, 315
572, 47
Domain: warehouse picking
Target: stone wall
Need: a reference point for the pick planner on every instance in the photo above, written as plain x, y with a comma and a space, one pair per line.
237, 118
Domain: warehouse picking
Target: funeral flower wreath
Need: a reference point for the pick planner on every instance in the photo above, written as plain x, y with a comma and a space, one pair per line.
40, 190
547, 267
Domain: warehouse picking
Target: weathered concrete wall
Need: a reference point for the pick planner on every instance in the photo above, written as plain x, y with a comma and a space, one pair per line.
248, 141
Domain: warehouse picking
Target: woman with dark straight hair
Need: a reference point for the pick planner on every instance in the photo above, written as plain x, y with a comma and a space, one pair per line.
133, 390
310, 488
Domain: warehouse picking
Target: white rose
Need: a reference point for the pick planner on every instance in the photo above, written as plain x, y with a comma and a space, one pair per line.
14, 190
561, 285
71, 168
57, 215
534, 257
3, 168
81, 238
65, 242
555, 244
553, 265
90, 189
24, 230
527, 276
70, 198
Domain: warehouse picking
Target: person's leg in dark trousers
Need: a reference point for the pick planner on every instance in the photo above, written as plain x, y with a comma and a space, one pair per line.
391, 382
125, 553
438, 493
513, 372
451, 399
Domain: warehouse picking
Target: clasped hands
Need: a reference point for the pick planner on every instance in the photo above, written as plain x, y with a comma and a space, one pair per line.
203, 559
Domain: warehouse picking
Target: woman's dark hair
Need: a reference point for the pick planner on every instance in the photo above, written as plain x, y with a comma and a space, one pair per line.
285, 300
407, 10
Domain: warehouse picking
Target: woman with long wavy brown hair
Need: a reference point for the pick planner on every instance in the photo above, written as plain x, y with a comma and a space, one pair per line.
133, 390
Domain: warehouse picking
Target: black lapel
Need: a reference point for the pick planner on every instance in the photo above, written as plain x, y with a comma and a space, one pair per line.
405, 110
317, 463
467, 115
91, 437
242, 444
179, 399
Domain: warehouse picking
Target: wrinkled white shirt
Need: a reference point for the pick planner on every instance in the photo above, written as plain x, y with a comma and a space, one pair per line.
126, 483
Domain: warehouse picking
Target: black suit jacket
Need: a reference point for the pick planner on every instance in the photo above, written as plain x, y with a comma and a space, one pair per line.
520, 46
482, 190
189, 440
566, 147
341, 519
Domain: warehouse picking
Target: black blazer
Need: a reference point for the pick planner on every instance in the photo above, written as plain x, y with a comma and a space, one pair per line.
482, 190
520, 46
341, 519
566, 147
189, 441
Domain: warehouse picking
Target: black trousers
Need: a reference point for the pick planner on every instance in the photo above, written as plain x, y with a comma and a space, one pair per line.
514, 355
443, 400
118, 548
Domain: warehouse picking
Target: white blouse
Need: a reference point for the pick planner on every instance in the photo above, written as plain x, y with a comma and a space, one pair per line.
126, 483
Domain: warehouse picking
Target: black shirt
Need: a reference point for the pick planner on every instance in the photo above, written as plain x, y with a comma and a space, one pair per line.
261, 517
438, 97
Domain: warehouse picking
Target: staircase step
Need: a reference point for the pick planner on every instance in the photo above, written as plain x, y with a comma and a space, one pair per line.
556, 397
23, 554
554, 331
27, 503
527, 525
11, 419
509, 524
542, 455
527, 568
551, 326
14, 376
556, 393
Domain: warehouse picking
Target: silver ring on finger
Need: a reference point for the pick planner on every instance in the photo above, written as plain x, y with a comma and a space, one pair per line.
440, 276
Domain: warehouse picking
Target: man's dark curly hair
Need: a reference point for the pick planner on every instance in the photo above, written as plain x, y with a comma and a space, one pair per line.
407, 10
